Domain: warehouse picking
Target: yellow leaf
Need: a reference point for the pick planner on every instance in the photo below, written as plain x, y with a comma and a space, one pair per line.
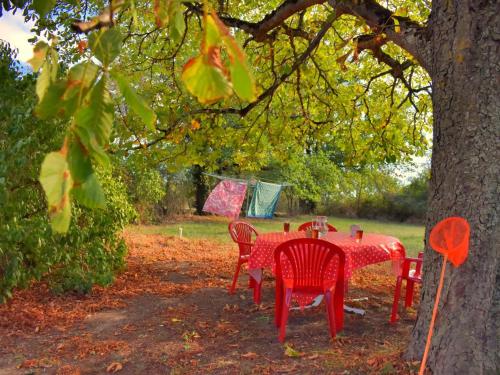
195, 125
291, 352
205, 81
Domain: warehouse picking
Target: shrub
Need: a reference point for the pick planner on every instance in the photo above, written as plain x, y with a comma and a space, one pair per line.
92, 250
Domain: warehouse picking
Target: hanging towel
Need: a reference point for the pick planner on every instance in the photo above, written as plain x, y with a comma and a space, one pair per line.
264, 200
226, 198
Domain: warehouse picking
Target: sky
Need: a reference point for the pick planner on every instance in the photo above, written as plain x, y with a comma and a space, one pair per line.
16, 32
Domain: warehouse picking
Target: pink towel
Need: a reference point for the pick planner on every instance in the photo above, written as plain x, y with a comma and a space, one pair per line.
226, 199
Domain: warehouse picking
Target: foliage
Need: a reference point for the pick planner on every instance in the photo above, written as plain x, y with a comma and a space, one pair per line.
411, 202
83, 98
146, 186
317, 82
92, 248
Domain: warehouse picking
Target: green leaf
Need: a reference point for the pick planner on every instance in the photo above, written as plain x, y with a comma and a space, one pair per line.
43, 81
242, 79
56, 181
79, 162
170, 12
135, 102
80, 78
52, 103
97, 115
205, 81
160, 10
49, 65
205, 76
106, 45
212, 33
177, 26
82, 75
89, 141
90, 193
43, 7
39, 54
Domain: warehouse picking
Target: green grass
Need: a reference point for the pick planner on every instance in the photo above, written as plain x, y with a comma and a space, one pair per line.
412, 236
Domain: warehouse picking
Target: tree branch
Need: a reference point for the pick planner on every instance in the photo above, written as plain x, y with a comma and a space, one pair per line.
270, 90
409, 35
259, 30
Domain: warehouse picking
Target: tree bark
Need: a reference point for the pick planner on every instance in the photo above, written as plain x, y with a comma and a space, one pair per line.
201, 189
464, 182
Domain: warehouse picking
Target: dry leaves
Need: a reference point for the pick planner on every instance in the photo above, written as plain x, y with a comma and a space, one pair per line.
114, 367
249, 355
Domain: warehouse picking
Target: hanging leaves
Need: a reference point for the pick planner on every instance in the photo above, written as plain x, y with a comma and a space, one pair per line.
135, 102
43, 7
106, 45
205, 80
83, 96
207, 77
169, 12
56, 181
45, 58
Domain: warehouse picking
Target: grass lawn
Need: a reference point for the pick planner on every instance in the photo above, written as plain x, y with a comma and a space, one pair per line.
412, 236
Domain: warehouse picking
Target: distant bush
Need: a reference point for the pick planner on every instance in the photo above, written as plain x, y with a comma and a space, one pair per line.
402, 203
145, 186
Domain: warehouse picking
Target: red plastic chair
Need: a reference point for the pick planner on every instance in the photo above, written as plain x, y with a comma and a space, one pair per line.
308, 260
309, 224
244, 235
412, 276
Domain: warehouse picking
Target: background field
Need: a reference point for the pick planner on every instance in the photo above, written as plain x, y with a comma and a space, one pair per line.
412, 236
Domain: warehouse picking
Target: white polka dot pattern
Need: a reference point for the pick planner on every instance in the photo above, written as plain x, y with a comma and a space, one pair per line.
373, 248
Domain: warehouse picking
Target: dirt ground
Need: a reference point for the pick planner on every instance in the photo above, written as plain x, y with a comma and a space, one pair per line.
170, 313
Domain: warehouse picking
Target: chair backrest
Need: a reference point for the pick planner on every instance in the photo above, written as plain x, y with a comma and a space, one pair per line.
309, 259
305, 226
418, 267
243, 234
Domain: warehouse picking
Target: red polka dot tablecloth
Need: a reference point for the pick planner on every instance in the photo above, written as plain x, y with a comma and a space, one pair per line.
372, 248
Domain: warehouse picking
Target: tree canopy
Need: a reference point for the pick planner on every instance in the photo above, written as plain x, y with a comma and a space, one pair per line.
181, 90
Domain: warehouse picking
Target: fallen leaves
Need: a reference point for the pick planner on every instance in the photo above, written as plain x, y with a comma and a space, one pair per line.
114, 367
291, 352
194, 333
249, 355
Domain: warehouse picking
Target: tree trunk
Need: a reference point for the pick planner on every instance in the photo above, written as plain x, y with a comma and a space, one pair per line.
201, 189
464, 182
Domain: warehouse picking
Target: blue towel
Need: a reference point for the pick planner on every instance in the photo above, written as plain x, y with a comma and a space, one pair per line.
264, 200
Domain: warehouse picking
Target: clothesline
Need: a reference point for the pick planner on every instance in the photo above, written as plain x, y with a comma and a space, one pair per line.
251, 181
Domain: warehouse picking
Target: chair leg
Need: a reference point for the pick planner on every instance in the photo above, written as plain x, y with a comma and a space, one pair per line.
330, 310
338, 305
278, 304
257, 292
397, 292
235, 278
284, 319
251, 282
410, 285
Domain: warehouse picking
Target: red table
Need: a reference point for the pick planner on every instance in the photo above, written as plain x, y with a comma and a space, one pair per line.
373, 248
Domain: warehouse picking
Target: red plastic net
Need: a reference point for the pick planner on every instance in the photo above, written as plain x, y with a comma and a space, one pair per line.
450, 237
